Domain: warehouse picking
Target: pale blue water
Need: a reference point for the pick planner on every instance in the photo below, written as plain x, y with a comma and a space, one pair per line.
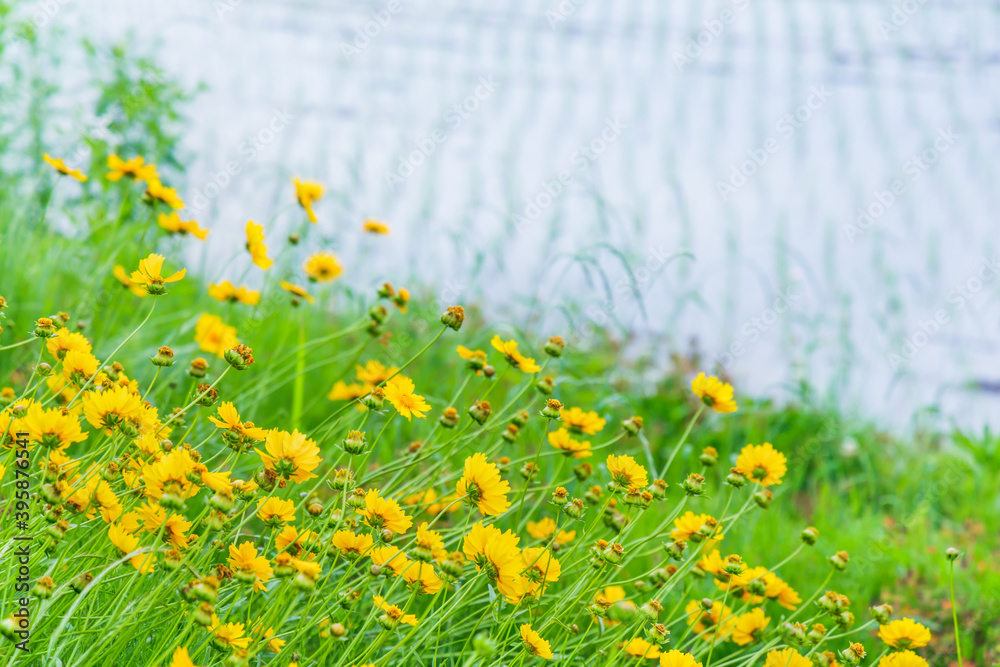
606, 127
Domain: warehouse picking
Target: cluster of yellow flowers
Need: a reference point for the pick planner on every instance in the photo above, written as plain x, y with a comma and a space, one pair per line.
271, 541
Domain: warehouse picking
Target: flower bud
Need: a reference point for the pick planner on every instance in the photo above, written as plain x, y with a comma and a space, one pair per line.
583, 471
510, 433
951, 553
356, 499
763, 498
43, 588
520, 418
574, 509
44, 328
378, 313
881, 613
736, 478
164, 357
658, 488
449, 418
694, 485
546, 386
552, 410
555, 346
651, 610
489, 371
480, 412
354, 443
239, 357
810, 535
675, 549
198, 368
709, 457
839, 560
794, 633
632, 425
81, 581
613, 553
453, 317
657, 633
203, 614
560, 497
44, 369
374, 399
853, 654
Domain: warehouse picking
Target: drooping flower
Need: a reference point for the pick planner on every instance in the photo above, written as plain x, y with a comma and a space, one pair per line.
482, 484
159, 192
714, 393
121, 275
762, 464
390, 558
256, 247
400, 392
80, 366
308, 192
577, 449
509, 350
136, 169
149, 275
173, 224
534, 644
214, 336
323, 267
497, 555
384, 513
578, 421
904, 633
373, 226
781, 592
422, 578
625, 472
292, 455
297, 291
226, 291
60, 166
749, 627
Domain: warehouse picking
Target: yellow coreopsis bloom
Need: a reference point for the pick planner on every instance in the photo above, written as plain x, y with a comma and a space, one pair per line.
390, 558
749, 627
214, 336
136, 169
577, 449
385, 513
899, 659
292, 455
121, 275
691, 524
373, 226
174, 225
714, 393
422, 578
248, 566
786, 657
159, 192
65, 340
543, 529
373, 372
509, 350
273, 511
534, 644
394, 613
704, 622
430, 543
540, 569
149, 275
256, 247
496, 554
482, 484
781, 592
399, 392
60, 166
640, 648
675, 658
228, 636
578, 421
226, 291
52, 428
625, 472
229, 419
323, 267
181, 658
904, 633
342, 391
308, 192
762, 464
110, 408
351, 544
297, 291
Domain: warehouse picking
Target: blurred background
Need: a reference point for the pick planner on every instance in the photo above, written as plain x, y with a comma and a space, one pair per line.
804, 191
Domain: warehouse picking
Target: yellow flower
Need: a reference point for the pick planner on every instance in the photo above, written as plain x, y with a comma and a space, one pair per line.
625, 472
509, 350
214, 336
702, 620
691, 524
390, 558
297, 291
640, 648
534, 644
171, 474
158, 191
60, 166
497, 555
173, 224
373, 372
149, 275
543, 529
52, 428
229, 419
540, 568
121, 275
292, 455
291, 537
111, 408
578, 421
373, 226
322, 267
80, 366
904, 633
749, 627
385, 513
351, 544
135, 169
226, 291
781, 592
248, 566
393, 612
482, 484
229, 635
714, 393
675, 658
762, 464
342, 391
308, 192
561, 440
787, 657
430, 542
255, 244
902, 659
421, 577
65, 340
181, 658
399, 392
275, 510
